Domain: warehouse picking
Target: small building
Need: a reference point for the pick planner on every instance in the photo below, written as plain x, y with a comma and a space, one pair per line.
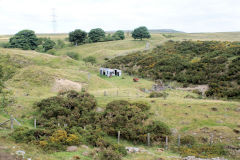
110, 72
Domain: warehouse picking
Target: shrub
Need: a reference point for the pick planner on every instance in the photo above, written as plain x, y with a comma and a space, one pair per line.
26, 135
71, 108
109, 154
188, 140
119, 35
203, 150
90, 59
73, 55
51, 51
158, 94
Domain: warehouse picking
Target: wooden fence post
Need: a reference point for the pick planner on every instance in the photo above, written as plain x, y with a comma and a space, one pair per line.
179, 140
211, 139
148, 139
166, 146
11, 119
119, 136
35, 123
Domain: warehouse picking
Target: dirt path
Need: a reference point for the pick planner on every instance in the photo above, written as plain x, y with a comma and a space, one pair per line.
7, 156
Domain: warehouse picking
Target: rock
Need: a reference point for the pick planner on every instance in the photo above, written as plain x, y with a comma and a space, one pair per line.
236, 131
85, 153
237, 109
189, 106
76, 157
99, 109
238, 138
214, 109
219, 121
20, 153
160, 150
72, 148
84, 146
132, 149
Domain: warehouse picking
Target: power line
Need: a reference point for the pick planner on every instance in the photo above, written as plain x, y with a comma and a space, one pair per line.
54, 21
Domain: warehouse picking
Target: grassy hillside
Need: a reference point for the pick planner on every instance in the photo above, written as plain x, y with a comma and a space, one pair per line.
213, 63
38, 76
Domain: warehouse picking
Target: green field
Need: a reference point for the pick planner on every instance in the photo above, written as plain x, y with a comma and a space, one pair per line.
38, 77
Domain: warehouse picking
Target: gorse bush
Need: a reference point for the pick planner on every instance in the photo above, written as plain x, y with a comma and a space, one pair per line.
203, 150
188, 140
189, 62
71, 108
129, 119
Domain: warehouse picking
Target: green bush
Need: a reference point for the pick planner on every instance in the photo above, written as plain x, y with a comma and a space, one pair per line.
52, 51
73, 55
128, 118
109, 154
203, 150
90, 59
158, 94
71, 108
188, 140
26, 135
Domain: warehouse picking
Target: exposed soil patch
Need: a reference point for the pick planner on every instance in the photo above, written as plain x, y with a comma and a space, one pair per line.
201, 88
7, 156
66, 85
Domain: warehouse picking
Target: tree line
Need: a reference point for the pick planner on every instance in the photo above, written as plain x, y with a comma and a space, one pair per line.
28, 40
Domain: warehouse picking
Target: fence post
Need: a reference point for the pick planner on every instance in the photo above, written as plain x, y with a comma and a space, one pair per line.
166, 146
11, 119
211, 139
148, 139
84, 127
58, 124
105, 93
35, 123
179, 140
119, 136
65, 125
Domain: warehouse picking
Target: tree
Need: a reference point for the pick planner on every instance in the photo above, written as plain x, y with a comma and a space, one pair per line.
140, 33
119, 34
96, 35
45, 44
77, 36
25, 39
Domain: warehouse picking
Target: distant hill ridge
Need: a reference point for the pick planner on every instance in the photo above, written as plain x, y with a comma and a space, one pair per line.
154, 31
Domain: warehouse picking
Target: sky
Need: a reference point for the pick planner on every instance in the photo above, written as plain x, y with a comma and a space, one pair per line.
184, 15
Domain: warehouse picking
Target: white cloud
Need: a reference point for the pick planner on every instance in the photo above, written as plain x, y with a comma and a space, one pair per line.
185, 15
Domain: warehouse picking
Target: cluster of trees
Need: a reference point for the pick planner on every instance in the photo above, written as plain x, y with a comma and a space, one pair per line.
79, 36
27, 40
201, 62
